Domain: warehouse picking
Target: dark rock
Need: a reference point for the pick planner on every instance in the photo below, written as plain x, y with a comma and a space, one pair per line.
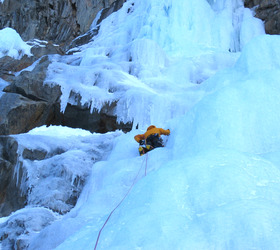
30, 84
81, 40
34, 154
11, 198
20, 114
251, 3
269, 12
40, 48
29, 102
8, 66
81, 116
100, 122
59, 21
45, 20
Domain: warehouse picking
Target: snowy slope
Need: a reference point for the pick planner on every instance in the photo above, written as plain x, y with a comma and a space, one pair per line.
216, 184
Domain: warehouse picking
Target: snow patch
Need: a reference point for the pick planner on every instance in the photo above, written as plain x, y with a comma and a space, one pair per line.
12, 45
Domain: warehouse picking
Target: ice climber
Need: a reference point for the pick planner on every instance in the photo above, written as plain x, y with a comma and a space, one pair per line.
150, 139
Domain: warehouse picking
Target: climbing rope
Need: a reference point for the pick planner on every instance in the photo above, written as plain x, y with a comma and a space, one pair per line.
146, 164
133, 183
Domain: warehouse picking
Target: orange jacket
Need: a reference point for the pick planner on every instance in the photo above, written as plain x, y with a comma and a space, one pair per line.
150, 131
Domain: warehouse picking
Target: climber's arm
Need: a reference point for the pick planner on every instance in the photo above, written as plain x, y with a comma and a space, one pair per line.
139, 137
164, 132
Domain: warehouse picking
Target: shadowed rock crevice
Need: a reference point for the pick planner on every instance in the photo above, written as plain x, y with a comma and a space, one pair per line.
100, 122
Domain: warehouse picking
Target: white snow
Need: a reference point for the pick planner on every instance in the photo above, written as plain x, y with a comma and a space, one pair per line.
12, 45
59, 131
216, 183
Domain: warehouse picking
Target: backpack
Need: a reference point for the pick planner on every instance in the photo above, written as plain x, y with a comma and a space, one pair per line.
154, 140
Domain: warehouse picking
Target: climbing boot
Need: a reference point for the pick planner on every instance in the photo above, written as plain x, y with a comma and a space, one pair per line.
142, 150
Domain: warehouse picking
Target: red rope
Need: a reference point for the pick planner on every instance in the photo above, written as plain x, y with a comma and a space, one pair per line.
133, 183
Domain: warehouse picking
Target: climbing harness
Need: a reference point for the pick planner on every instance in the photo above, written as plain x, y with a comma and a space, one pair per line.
133, 183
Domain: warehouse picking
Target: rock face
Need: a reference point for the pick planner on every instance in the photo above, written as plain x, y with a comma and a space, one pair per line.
269, 12
59, 21
11, 198
20, 114
28, 102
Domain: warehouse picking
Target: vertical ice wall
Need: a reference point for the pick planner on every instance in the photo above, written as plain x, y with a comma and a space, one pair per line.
239, 22
152, 49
